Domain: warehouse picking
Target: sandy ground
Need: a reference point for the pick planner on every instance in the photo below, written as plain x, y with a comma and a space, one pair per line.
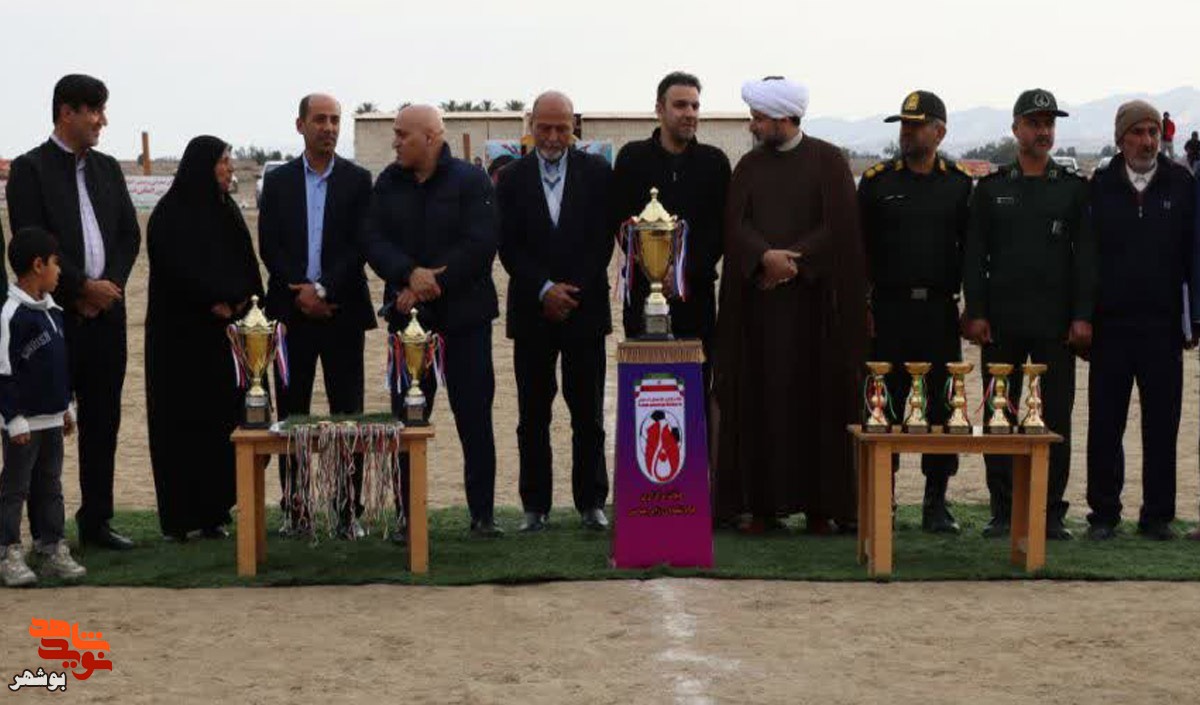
662, 641
652, 642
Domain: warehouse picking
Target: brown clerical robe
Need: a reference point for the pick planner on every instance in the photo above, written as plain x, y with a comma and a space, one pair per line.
789, 360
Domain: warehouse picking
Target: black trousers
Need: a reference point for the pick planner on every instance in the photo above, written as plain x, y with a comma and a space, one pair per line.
583, 368
1152, 357
96, 355
32, 469
908, 330
471, 381
340, 350
1058, 395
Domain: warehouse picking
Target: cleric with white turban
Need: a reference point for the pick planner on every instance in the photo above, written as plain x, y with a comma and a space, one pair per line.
776, 97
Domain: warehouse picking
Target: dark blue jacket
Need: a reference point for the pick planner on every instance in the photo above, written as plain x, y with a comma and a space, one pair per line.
35, 387
283, 241
449, 220
1146, 244
575, 251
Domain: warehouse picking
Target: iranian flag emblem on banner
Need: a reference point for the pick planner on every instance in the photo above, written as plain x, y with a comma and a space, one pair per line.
659, 416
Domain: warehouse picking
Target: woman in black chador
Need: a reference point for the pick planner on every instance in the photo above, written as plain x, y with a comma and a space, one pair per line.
202, 274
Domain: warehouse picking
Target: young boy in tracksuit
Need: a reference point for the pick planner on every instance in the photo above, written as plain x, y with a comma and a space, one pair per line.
35, 396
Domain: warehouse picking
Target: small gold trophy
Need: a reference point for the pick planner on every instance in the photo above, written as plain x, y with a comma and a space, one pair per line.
959, 424
257, 337
1033, 422
656, 234
998, 402
914, 420
877, 398
416, 342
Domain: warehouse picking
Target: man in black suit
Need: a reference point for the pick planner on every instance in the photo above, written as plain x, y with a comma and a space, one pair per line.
557, 235
68, 188
312, 208
431, 235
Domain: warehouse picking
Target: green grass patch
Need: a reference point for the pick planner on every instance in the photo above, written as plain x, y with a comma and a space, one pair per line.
567, 552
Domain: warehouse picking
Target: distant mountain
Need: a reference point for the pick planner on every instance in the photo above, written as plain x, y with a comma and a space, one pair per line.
1088, 129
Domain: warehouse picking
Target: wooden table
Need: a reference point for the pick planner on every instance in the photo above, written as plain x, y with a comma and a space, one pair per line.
873, 456
255, 447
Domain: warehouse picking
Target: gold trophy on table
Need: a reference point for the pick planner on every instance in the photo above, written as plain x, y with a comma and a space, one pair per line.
877, 398
1033, 423
416, 341
656, 238
958, 423
915, 420
998, 423
257, 337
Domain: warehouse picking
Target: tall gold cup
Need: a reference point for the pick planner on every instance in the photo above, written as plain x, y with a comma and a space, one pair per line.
1033, 423
877, 420
656, 231
258, 339
415, 341
958, 423
915, 420
998, 423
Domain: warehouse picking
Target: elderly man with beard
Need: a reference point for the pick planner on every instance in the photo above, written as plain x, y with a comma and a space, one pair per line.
914, 216
1143, 207
791, 336
1029, 276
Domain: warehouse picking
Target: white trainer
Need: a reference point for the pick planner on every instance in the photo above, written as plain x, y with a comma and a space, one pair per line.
58, 563
13, 568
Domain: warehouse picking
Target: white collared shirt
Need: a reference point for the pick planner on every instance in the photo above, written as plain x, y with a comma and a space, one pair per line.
792, 143
554, 179
93, 241
1141, 181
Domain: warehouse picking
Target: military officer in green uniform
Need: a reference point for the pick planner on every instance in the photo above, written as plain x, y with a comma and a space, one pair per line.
914, 215
1029, 276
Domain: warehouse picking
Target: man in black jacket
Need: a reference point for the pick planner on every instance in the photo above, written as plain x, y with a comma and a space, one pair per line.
312, 208
1143, 208
692, 181
68, 188
557, 234
430, 234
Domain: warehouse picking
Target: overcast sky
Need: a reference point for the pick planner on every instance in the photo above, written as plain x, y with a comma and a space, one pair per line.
236, 68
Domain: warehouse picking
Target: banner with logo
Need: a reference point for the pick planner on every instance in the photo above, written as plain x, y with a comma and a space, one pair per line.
661, 506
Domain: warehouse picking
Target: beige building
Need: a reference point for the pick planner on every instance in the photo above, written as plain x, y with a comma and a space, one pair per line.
471, 131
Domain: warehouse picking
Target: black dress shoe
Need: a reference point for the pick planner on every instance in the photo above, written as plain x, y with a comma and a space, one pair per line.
104, 537
996, 528
215, 532
485, 529
175, 537
1101, 532
1056, 530
533, 523
594, 519
1158, 531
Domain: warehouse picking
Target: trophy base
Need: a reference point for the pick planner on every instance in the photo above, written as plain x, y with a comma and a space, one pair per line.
1034, 430
998, 430
414, 415
658, 327
916, 428
875, 428
257, 416
959, 430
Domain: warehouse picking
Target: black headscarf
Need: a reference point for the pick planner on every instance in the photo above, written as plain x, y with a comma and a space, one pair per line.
198, 244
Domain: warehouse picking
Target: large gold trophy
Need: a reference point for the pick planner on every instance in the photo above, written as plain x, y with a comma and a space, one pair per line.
656, 235
876, 398
257, 336
915, 420
998, 422
416, 343
1033, 423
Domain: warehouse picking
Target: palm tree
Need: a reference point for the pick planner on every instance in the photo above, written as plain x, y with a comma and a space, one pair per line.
367, 107
515, 106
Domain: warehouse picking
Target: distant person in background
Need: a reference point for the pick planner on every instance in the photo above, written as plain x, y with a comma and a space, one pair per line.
479, 163
1191, 150
202, 274
1168, 136
68, 188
